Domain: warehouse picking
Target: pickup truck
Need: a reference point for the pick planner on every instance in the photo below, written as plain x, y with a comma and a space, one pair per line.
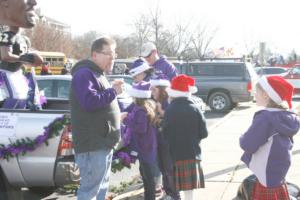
44, 166
48, 166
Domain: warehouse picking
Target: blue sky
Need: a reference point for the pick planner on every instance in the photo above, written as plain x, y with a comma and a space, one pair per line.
275, 22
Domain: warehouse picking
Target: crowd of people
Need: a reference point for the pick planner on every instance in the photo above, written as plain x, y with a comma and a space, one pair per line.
166, 127
158, 121
164, 124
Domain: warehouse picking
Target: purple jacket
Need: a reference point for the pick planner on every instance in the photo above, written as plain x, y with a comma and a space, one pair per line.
165, 67
88, 91
143, 134
267, 145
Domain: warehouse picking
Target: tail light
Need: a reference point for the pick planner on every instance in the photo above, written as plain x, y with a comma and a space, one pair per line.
249, 86
65, 147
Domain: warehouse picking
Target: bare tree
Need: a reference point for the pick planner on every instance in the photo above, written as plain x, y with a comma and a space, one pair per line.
82, 44
156, 25
127, 47
142, 30
44, 37
201, 40
179, 40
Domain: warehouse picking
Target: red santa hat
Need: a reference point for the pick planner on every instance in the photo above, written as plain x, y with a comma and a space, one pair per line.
278, 89
182, 86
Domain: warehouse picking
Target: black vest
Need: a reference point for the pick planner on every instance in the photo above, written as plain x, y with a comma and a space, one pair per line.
99, 129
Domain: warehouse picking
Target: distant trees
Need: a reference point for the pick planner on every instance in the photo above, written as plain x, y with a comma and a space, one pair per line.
183, 40
44, 37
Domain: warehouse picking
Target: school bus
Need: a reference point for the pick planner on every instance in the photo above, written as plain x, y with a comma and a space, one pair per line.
56, 60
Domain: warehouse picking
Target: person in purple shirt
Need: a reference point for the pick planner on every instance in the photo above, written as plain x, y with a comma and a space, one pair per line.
140, 71
140, 121
95, 118
268, 141
159, 63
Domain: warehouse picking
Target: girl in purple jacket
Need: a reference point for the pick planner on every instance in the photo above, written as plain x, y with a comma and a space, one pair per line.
140, 123
268, 142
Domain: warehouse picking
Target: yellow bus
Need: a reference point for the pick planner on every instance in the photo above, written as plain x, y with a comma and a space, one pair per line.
56, 60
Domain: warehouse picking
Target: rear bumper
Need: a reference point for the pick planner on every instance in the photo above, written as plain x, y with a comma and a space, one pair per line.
66, 172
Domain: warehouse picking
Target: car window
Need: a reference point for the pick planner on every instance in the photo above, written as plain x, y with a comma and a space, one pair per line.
273, 71
200, 70
296, 70
229, 70
47, 86
63, 88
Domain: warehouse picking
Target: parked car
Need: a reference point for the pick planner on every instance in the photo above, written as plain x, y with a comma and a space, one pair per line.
222, 84
56, 88
293, 77
270, 71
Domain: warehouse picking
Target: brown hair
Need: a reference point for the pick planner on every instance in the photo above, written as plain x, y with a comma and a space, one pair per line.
101, 42
149, 106
163, 95
271, 103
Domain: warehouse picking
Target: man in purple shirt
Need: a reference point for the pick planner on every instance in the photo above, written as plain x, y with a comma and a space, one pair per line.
159, 63
95, 118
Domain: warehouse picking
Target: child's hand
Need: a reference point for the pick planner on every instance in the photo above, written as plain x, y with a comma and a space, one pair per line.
123, 115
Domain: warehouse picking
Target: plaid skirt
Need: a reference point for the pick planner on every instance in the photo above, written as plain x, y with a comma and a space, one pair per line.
261, 192
188, 175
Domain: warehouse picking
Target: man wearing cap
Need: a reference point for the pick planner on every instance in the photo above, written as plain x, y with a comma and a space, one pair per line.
160, 63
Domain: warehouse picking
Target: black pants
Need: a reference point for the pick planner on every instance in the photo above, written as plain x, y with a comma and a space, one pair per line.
150, 178
166, 167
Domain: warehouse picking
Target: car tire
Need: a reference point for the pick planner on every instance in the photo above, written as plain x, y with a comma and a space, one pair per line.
219, 102
8, 191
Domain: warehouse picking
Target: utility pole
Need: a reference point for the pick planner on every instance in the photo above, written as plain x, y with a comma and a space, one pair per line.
262, 50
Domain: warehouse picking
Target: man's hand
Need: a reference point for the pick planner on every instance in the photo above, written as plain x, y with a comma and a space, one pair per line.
118, 86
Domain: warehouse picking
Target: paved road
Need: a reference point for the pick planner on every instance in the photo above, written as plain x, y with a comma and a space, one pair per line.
124, 176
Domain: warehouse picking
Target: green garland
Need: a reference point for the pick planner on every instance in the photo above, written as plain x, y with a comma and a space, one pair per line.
24, 145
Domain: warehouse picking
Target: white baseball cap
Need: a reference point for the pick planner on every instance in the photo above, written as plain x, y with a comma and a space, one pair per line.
147, 48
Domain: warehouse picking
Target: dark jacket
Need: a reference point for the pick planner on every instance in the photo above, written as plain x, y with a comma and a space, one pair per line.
184, 126
95, 114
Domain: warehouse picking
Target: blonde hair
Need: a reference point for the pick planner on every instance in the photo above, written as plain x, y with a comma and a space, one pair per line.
149, 106
271, 103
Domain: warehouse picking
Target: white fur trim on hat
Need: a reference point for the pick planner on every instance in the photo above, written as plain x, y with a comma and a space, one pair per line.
139, 93
269, 90
193, 89
177, 93
160, 82
135, 71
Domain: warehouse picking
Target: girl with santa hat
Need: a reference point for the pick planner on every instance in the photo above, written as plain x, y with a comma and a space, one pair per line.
184, 127
268, 141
